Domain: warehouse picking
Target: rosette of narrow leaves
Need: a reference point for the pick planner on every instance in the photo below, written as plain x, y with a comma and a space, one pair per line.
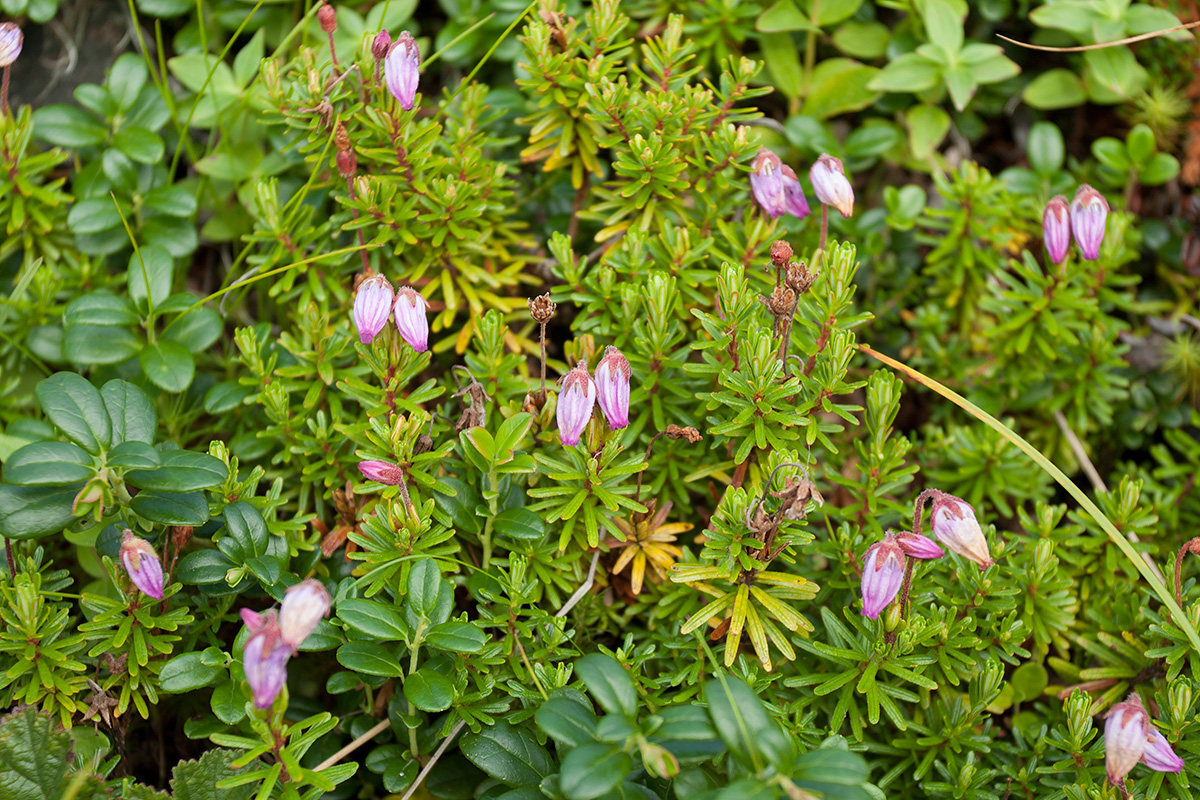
139, 633
747, 596
588, 487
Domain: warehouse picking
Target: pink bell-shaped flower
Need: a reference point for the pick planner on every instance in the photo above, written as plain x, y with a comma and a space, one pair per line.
576, 400
142, 565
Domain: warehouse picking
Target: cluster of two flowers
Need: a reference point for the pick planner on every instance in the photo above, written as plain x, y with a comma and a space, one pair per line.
778, 190
376, 302
1084, 219
275, 636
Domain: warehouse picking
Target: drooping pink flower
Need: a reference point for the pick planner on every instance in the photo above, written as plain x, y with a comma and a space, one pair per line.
265, 657
766, 182
142, 565
402, 70
575, 403
382, 471
1158, 755
304, 606
1056, 228
955, 526
918, 546
11, 39
1089, 214
410, 318
1126, 729
830, 184
883, 573
795, 201
372, 307
612, 387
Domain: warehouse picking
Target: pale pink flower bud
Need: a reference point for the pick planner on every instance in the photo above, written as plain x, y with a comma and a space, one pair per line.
372, 307
612, 387
918, 546
382, 472
575, 403
766, 182
410, 318
304, 606
955, 526
1158, 755
830, 185
401, 70
142, 565
883, 572
794, 200
1125, 737
11, 39
1056, 228
1089, 214
327, 17
264, 658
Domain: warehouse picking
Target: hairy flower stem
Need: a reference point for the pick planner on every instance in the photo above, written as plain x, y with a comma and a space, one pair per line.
918, 508
12, 564
543, 342
4, 92
337, 68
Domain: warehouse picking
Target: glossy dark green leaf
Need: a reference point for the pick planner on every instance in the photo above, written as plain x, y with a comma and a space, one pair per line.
429, 690
129, 409
91, 345
139, 144
168, 365
30, 512
75, 407
149, 274
48, 464
507, 754
752, 735
171, 508
245, 525
182, 471
68, 126
203, 566
94, 216
133, 455
100, 308
172, 199
373, 618
187, 672
520, 524
458, 637
566, 721
196, 330
593, 769
369, 658
609, 683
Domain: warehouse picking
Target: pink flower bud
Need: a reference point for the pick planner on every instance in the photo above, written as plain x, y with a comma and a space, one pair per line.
1089, 213
575, 403
401, 70
380, 45
829, 182
142, 565
327, 17
794, 200
1158, 755
410, 318
955, 526
766, 182
382, 472
304, 606
264, 659
11, 39
883, 572
918, 546
1056, 228
1125, 737
612, 387
372, 307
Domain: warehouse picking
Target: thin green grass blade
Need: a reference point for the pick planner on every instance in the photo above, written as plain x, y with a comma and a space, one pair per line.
1178, 617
